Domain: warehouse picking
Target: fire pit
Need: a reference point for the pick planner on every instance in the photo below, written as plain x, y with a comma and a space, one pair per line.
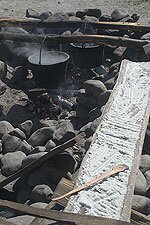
50, 70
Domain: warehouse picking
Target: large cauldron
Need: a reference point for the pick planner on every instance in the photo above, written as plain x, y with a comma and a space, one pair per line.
86, 56
51, 70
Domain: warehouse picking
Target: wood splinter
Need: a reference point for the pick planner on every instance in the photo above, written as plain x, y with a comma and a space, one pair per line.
115, 170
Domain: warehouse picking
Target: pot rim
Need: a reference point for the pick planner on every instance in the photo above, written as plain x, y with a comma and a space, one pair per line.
47, 52
80, 47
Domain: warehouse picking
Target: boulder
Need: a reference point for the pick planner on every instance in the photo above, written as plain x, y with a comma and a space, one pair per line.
147, 176
94, 113
45, 15
59, 16
82, 112
110, 83
2, 68
86, 100
42, 193
10, 143
90, 19
31, 13
140, 185
88, 143
119, 14
40, 205
41, 136
26, 127
31, 158
5, 128
64, 131
11, 162
145, 163
50, 145
25, 147
94, 87
146, 36
18, 133
141, 204
38, 149
103, 98
89, 12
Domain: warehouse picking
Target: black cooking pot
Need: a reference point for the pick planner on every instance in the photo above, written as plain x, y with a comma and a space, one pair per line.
87, 55
50, 72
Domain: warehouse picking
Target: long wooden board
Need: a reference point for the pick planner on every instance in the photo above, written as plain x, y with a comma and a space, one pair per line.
74, 24
118, 139
60, 216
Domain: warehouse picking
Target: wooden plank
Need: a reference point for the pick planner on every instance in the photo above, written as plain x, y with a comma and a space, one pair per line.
61, 216
55, 151
139, 218
74, 24
118, 139
97, 39
5, 222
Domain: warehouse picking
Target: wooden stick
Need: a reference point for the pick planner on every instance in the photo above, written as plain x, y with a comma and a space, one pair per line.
55, 151
115, 170
74, 24
60, 216
139, 218
97, 39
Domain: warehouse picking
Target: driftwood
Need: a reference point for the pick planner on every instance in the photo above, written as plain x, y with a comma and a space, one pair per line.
97, 39
115, 170
55, 151
60, 216
74, 24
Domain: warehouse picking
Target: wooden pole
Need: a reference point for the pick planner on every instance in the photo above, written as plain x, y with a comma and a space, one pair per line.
97, 39
74, 24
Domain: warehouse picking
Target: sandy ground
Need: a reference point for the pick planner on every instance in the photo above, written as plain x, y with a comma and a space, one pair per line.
17, 8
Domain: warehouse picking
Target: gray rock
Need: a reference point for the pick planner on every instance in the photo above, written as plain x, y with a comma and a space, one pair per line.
40, 205
141, 204
74, 18
45, 15
41, 136
119, 14
64, 131
10, 143
18, 133
86, 100
50, 145
87, 129
91, 19
82, 112
94, 87
5, 128
95, 124
42, 193
94, 113
1, 146
88, 143
145, 163
103, 98
110, 83
30, 13
135, 17
26, 127
140, 185
89, 12
11, 162
38, 149
147, 176
25, 147
146, 36
7, 213
49, 123
19, 76
22, 220
147, 50
24, 194
31, 158
59, 16
2, 68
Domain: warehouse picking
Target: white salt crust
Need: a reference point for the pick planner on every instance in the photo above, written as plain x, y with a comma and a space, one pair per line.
116, 141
